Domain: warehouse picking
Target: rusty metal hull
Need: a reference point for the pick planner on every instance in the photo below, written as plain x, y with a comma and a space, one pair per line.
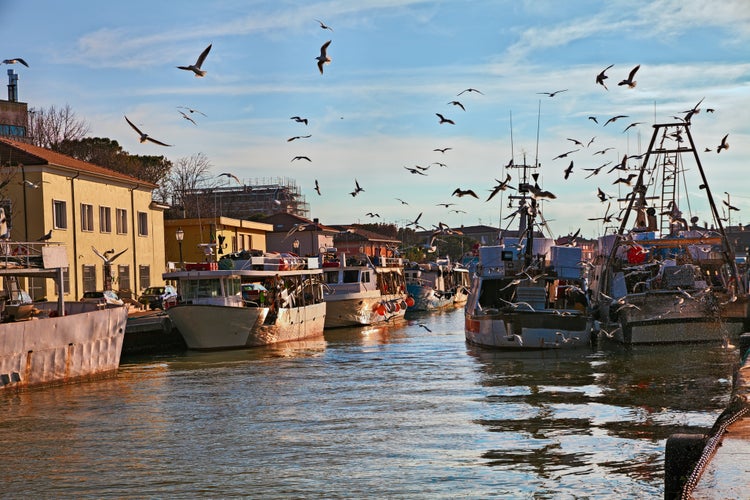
211, 327
666, 317
83, 345
363, 308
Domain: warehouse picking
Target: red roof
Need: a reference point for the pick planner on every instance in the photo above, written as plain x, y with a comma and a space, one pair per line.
17, 152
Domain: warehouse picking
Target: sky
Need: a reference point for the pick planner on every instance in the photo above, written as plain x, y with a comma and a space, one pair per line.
395, 64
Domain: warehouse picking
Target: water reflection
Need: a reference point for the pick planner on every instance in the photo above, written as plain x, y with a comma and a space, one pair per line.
562, 413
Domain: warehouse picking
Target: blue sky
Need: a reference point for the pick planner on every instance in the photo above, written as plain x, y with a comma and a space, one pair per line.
395, 64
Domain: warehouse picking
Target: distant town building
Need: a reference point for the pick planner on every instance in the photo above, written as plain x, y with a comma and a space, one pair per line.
251, 201
14, 115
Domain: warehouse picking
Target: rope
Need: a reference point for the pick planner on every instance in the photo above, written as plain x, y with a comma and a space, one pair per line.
727, 418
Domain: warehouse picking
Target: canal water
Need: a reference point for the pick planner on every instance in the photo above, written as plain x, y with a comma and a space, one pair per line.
405, 411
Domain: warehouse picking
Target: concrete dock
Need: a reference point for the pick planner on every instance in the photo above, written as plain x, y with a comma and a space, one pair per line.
715, 465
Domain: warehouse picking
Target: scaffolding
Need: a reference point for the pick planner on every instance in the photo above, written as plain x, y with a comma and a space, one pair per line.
259, 197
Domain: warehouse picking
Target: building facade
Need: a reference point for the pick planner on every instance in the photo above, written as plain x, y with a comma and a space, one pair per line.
101, 216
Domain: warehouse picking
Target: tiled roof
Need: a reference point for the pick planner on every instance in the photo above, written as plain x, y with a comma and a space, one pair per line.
16, 152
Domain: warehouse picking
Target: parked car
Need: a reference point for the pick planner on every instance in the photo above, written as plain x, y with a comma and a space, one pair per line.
105, 298
159, 297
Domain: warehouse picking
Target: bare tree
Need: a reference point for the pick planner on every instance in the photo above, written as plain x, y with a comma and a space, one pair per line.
186, 175
51, 126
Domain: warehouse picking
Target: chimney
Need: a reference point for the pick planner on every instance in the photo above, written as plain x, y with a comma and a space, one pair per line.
12, 86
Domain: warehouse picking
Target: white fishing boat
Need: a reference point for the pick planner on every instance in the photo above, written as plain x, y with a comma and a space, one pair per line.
436, 285
360, 291
667, 280
260, 301
57, 342
527, 292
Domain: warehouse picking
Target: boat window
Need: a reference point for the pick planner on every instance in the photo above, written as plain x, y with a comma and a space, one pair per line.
332, 277
365, 277
233, 286
201, 288
351, 276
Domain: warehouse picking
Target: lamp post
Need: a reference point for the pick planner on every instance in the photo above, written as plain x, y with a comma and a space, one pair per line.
295, 246
180, 235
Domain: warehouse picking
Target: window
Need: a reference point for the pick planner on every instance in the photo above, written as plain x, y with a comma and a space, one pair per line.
66, 283
121, 216
144, 277
87, 217
123, 277
59, 210
234, 244
365, 276
142, 224
105, 220
89, 278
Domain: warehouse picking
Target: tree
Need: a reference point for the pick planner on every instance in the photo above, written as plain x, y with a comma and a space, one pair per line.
51, 126
187, 175
108, 153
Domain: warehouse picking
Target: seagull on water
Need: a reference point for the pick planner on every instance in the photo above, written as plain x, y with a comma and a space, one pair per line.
196, 68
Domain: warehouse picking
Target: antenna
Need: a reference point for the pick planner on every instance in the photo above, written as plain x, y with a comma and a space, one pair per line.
512, 154
538, 120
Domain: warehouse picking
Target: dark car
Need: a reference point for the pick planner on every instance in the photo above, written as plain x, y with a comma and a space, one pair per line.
158, 297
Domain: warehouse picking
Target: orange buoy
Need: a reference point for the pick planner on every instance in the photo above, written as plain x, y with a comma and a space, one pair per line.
381, 310
409, 301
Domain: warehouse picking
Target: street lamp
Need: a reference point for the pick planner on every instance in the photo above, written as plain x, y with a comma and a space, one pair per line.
295, 246
180, 235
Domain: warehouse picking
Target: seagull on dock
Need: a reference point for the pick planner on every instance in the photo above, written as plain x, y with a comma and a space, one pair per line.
144, 137
196, 68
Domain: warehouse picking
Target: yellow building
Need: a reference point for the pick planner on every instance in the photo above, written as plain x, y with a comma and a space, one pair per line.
201, 238
88, 208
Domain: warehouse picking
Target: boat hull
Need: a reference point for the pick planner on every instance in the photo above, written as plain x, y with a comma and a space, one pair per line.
426, 298
657, 319
82, 345
361, 309
212, 327
528, 330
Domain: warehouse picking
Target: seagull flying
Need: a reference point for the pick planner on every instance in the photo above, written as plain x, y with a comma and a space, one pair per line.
196, 68
302, 158
444, 119
14, 61
553, 94
187, 117
724, 144
469, 90
629, 80
298, 137
299, 119
323, 57
323, 26
227, 174
614, 119
464, 192
144, 137
317, 187
191, 110
601, 77
456, 103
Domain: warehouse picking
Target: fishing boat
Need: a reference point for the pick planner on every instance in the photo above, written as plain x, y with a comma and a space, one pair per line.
52, 342
253, 302
437, 284
360, 291
527, 292
667, 280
